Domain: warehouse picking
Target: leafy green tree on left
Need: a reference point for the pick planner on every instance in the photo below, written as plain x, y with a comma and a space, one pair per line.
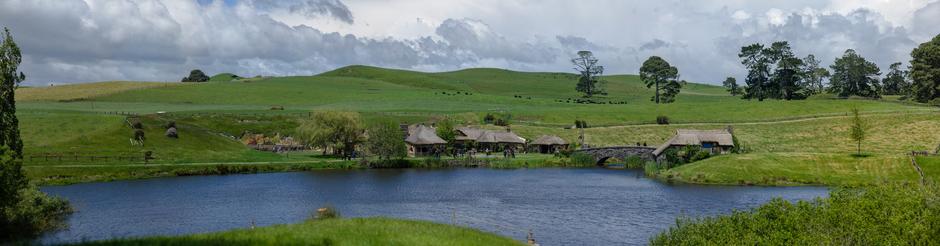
25, 212
656, 72
385, 140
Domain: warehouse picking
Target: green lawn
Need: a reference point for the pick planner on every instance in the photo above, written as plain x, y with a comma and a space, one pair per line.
357, 231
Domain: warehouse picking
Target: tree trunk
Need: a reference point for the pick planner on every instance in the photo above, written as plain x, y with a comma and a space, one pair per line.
657, 92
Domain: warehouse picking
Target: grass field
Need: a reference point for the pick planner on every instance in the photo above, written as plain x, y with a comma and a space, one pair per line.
788, 142
357, 231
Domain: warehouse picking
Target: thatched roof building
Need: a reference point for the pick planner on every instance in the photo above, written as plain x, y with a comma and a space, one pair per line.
423, 135
506, 137
549, 140
717, 141
423, 140
549, 144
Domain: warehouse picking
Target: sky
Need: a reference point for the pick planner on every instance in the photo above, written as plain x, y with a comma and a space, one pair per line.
74, 41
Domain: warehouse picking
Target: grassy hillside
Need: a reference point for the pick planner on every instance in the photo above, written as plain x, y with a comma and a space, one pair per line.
82, 91
532, 98
799, 141
359, 231
223, 77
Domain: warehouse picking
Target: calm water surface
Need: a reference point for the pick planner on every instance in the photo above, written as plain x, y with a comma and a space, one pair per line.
560, 206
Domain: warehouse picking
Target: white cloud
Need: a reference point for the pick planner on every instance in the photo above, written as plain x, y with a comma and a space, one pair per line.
77, 40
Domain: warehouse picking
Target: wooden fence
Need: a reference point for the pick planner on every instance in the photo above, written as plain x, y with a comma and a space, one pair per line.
87, 157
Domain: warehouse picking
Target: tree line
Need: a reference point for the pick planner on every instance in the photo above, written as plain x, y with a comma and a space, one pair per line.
776, 72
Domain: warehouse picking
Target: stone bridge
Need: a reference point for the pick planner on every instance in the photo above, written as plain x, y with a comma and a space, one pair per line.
602, 154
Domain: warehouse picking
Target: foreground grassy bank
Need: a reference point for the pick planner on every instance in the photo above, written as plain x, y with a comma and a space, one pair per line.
886, 214
357, 231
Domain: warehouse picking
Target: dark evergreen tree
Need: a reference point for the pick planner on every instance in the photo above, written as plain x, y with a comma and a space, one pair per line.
895, 82
852, 75
732, 84
925, 71
196, 76
656, 72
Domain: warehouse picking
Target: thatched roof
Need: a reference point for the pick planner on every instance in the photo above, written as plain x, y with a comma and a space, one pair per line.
469, 133
423, 135
685, 137
500, 137
549, 140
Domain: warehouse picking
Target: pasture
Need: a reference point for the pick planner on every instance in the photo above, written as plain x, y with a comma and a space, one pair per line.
788, 142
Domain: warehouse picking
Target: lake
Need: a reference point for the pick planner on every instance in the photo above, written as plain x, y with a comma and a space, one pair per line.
560, 206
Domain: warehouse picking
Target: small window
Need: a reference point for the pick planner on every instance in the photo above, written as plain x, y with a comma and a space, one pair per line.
707, 145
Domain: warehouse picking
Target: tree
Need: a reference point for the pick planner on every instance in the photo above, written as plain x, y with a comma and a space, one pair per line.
756, 60
445, 130
656, 72
196, 76
10, 79
732, 84
341, 130
589, 72
385, 140
857, 131
925, 71
895, 82
813, 74
852, 75
24, 210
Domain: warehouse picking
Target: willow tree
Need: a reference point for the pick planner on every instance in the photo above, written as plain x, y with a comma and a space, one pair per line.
589, 72
340, 130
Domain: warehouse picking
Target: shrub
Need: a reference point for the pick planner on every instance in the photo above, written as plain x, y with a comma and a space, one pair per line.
651, 168
489, 118
25, 212
634, 162
170, 124
662, 120
196, 76
582, 159
885, 214
501, 122
935, 102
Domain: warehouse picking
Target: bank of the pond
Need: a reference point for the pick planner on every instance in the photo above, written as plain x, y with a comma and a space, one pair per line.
795, 169
73, 174
356, 231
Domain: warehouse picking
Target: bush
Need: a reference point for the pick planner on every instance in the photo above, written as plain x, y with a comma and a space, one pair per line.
170, 124
935, 102
582, 159
886, 214
662, 120
501, 122
634, 162
25, 212
651, 168
196, 76
489, 118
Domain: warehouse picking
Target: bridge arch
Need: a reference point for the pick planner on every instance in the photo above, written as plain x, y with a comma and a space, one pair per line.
601, 155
